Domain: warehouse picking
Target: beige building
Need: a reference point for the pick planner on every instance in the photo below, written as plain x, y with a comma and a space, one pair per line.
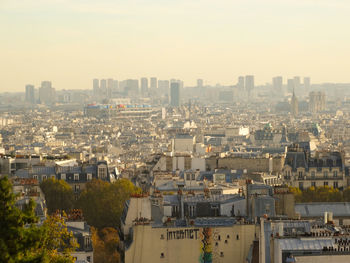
190, 244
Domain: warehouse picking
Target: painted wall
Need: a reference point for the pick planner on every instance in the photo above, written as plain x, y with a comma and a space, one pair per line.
190, 244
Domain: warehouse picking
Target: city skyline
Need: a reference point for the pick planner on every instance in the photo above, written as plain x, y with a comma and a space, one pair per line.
70, 42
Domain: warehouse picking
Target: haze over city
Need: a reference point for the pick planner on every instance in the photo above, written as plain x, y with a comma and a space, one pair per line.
153, 131
72, 42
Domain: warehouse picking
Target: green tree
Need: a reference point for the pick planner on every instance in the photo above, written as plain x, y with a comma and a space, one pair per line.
22, 240
56, 241
58, 195
102, 202
19, 236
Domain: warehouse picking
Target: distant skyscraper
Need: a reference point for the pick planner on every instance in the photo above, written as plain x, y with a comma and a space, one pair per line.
240, 83
144, 86
307, 83
109, 88
175, 94
277, 83
199, 83
47, 93
95, 87
103, 88
153, 84
163, 89
249, 83
115, 86
132, 87
30, 94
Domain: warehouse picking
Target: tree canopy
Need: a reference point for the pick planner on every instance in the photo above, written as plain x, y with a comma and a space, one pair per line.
320, 194
23, 240
105, 243
58, 195
102, 202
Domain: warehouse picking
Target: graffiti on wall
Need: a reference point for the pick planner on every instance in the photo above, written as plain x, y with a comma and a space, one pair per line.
206, 253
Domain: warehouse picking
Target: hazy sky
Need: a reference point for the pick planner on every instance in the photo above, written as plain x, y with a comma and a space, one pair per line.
70, 42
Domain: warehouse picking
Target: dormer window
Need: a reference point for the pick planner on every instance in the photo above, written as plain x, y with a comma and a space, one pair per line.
63, 176
76, 177
89, 177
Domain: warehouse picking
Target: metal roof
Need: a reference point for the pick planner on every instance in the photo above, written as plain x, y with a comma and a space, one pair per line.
305, 243
318, 209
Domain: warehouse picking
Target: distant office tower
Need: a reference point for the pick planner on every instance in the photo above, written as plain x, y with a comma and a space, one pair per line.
163, 87
163, 84
109, 88
144, 86
317, 101
297, 82
115, 86
294, 105
277, 83
199, 83
153, 84
95, 87
307, 83
175, 94
249, 83
240, 83
47, 93
30, 94
103, 88
290, 85
132, 87
181, 83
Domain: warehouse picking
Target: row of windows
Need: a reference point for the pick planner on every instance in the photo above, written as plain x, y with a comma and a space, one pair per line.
313, 174
63, 177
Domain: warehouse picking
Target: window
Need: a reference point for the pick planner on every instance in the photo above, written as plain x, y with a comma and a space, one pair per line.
35, 177
63, 176
237, 237
313, 184
193, 177
325, 183
76, 177
188, 177
335, 184
325, 174
89, 177
87, 242
161, 255
44, 177
300, 174
221, 254
335, 173
313, 174
76, 188
161, 236
102, 172
88, 258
